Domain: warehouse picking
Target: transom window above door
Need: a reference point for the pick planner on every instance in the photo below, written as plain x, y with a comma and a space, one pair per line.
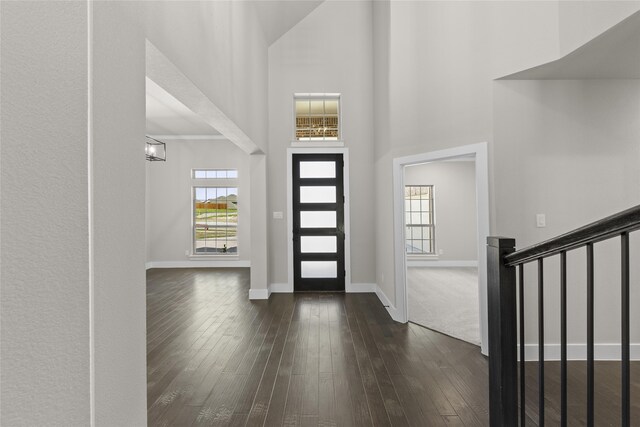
214, 173
317, 117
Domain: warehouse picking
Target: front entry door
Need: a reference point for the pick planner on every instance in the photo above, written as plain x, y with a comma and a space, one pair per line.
318, 222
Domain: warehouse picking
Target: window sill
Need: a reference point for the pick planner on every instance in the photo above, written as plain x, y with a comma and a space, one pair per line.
418, 257
233, 257
317, 144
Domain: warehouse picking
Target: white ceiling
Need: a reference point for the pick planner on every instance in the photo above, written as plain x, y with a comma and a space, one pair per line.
168, 116
615, 54
279, 16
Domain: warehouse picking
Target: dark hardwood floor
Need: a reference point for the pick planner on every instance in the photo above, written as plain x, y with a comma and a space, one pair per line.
216, 358
607, 393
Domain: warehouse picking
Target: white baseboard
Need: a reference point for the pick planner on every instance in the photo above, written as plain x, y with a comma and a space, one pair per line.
579, 352
355, 288
259, 293
387, 304
440, 263
280, 288
198, 264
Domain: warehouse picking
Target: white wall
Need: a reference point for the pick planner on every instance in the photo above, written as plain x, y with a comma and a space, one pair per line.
203, 40
328, 51
44, 249
581, 21
169, 208
118, 200
454, 206
81, 335
569, 149
443, 57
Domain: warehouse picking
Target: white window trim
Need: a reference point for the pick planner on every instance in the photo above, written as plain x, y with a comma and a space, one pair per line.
193, 173
211, 183
317, 144
433, 254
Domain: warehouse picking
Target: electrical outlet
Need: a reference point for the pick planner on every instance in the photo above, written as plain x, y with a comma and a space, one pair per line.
541, 220
440, 251
186, 252
278, 215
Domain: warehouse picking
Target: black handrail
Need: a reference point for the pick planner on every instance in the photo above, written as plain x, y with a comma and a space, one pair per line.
506, 318
627, 220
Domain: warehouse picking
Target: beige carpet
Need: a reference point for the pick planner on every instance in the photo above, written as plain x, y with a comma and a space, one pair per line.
446, 300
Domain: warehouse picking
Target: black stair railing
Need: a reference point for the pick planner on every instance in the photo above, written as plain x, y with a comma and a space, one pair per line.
505, 335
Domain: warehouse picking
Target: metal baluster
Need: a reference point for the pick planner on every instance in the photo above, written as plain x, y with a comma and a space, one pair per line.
563, 337
590, 366
540, 344
626, 373
522, 360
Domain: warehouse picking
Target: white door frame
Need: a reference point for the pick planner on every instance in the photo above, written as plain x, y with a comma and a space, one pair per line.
347, 228
479, 152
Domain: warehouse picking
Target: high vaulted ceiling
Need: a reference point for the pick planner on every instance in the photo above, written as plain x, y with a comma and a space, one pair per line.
279, 16
168, 116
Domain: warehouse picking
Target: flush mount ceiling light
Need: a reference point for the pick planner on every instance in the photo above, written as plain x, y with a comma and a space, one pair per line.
155, 150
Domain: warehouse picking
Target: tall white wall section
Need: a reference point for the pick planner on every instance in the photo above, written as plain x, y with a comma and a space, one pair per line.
44, 250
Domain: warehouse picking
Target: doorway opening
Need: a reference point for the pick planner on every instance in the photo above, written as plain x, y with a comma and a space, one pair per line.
441, 247
424, 253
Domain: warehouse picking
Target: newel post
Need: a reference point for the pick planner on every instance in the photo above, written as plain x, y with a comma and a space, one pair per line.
503, 363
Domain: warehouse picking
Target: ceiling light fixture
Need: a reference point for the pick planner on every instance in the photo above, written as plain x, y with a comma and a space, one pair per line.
156, 151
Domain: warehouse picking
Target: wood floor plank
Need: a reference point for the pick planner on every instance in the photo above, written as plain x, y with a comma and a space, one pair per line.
411, 405
311, 376
377, 409
250, 389
348, 377
275, 414
327, 415
218, 409
392, 405
293, 408
262, 399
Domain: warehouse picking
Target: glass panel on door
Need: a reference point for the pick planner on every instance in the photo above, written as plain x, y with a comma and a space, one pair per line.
319, 244
317, 169
319, 269
318, 219
318, 194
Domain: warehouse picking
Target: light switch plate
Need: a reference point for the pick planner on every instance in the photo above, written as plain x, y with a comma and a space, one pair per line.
541, 220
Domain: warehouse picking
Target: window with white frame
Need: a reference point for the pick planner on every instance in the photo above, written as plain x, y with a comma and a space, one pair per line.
215, 211
420, 227
317, 117
215, 174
